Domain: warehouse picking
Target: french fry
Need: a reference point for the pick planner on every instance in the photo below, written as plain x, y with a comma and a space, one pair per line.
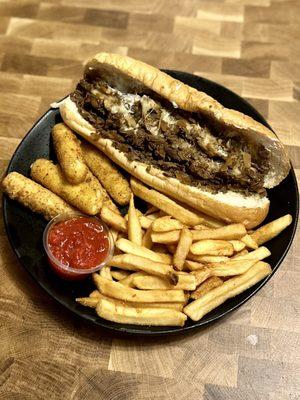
165, 204
88, 301
128, 281
240, 253
238, 245
206, 259
154, 216
120, 274
272, 229
231, 268
200, 227
92, 302
114, 234
105, 272
165, 237
160, 248
249, 242
147, 241
145, 221
132, 262
86, 196
201, 275
193, 265
228, 232
232, 287
113, 219
132, 248
124, 314
166, 224
121, 292
107, 173
185, 282
151, 209
69, 155
258, 254
34, 196
183, 247
134, 226
95, 293
212, 248
206, 286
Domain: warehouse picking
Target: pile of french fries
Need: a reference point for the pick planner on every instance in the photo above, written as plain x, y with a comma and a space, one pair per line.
171, 263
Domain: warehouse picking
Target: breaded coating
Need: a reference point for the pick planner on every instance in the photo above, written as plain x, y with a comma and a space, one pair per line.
34, 196
107, 201
107, 173
69, 154
86, 196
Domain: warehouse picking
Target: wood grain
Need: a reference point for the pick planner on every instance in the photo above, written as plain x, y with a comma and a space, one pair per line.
250, 46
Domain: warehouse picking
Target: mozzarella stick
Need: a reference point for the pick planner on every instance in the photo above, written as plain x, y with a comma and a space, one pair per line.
107, 173
86, 196
121, 292
69, 154
125, 314
34, 196
232, 287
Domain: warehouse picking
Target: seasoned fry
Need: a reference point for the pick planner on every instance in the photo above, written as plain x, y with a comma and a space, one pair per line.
112, 219
34, 196
119, 274
272, 229
228, 232
206, 259
107, 173
212, 248
165, 204
193, 265
86, 196
201, 275
166, 224
147, 241
121, 292
249, 242
232, 287
183, 247
132, 262
206, 286
238, 245
125, 314
132, 248
105, 272
258, 254
185, 282
165, 237
69, 154
134, 226
231, 267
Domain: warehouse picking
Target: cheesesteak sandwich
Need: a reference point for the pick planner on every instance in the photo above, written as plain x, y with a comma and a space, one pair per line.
177, 139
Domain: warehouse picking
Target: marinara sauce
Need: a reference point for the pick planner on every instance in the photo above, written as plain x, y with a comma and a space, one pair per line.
77, 246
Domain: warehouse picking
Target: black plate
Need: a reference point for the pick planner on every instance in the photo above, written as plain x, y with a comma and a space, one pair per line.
24, 228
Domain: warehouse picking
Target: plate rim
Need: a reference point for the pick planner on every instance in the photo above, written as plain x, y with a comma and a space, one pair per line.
165, 330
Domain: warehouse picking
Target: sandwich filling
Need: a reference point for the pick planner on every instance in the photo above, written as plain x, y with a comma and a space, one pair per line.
195, 150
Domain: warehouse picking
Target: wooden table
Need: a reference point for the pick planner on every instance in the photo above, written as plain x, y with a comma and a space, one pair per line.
250, 46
